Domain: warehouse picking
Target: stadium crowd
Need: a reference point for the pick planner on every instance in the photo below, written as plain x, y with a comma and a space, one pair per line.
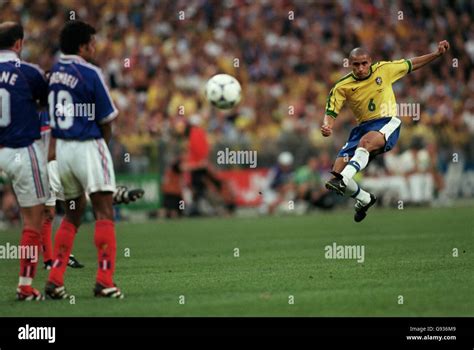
157, 56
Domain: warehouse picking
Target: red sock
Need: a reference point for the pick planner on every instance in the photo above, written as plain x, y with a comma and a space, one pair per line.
63, 243
104, 238
46, 237
30, 246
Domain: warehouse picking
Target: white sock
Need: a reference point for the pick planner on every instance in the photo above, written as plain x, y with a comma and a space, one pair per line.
358, 162
25, 281
353, 190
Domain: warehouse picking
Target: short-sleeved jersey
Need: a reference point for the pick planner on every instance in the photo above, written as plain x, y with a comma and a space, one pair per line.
371, 97
22, 88
79, 100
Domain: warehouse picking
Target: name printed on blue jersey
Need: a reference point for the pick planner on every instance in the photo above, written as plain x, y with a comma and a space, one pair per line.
79, 100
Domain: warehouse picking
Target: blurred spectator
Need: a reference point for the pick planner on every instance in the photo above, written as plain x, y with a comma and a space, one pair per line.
409, 177
172, 188
386, 179
310, 189
220, 195
197, 163
279, 189
416, 165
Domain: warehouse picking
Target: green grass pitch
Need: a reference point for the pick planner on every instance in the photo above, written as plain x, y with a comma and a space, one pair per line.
281, 269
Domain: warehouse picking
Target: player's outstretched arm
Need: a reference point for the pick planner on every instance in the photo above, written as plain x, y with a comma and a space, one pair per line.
418, 62
326, 128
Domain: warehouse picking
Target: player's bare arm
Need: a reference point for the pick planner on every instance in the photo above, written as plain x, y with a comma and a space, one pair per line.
420, 61
326, 128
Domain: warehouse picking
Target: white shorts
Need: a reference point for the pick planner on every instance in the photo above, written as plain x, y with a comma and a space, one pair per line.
55, 188
26, 167
84, 166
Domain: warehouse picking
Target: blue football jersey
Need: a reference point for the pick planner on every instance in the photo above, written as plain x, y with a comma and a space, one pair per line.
79, 100
22, 88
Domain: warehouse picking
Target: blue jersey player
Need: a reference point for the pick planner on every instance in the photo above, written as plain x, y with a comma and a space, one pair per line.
121, 195
81, 111
22, 89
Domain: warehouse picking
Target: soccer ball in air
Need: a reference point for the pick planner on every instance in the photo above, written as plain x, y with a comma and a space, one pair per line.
223, 91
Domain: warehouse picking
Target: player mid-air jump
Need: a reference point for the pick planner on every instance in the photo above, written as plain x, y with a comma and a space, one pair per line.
368, 92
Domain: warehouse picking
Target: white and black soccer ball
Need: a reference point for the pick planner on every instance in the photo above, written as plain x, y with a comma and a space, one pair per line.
223, 91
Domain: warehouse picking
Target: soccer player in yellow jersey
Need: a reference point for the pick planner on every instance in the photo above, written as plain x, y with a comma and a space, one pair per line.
368, 92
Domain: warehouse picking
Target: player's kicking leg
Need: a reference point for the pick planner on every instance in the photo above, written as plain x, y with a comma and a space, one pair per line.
343, 182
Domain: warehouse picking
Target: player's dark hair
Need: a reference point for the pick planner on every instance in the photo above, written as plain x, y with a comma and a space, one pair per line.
10, 32
73, 35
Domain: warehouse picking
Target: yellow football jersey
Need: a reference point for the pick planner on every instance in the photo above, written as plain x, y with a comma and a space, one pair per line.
371, 97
